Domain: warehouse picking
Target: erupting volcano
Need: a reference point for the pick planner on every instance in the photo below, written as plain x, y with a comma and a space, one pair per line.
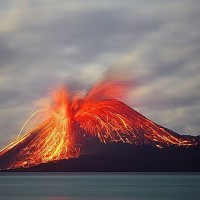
75, 120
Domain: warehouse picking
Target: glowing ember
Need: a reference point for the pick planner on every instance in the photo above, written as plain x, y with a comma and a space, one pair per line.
71, 120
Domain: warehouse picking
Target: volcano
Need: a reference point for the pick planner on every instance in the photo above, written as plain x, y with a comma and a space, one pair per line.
78, 126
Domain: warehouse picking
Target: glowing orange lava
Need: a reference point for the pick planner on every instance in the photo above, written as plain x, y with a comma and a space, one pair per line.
72, 120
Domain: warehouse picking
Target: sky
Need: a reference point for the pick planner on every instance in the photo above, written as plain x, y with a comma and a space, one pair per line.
155, 43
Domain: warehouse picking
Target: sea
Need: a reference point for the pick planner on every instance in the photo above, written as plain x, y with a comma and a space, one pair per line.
99, 186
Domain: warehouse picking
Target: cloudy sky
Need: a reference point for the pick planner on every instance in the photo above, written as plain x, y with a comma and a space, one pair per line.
156, 43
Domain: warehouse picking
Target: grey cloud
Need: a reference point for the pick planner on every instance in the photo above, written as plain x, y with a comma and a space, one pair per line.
7, 54
93, 33
85, 42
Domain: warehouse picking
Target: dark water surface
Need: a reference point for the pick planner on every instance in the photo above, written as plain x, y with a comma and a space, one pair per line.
96, 186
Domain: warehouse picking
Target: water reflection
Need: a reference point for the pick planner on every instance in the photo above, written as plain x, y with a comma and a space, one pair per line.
56, 198
104, 186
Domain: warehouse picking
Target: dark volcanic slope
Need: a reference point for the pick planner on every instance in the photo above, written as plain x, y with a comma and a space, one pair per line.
127, 158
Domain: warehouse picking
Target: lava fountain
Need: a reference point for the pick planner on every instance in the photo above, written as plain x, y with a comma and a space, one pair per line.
71, 120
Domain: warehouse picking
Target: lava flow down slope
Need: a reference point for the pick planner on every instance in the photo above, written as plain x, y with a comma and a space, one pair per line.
76, 120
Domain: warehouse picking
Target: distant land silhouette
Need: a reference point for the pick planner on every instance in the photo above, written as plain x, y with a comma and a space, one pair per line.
122, 157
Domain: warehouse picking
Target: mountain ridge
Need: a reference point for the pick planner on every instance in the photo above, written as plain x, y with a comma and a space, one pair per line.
33, 148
